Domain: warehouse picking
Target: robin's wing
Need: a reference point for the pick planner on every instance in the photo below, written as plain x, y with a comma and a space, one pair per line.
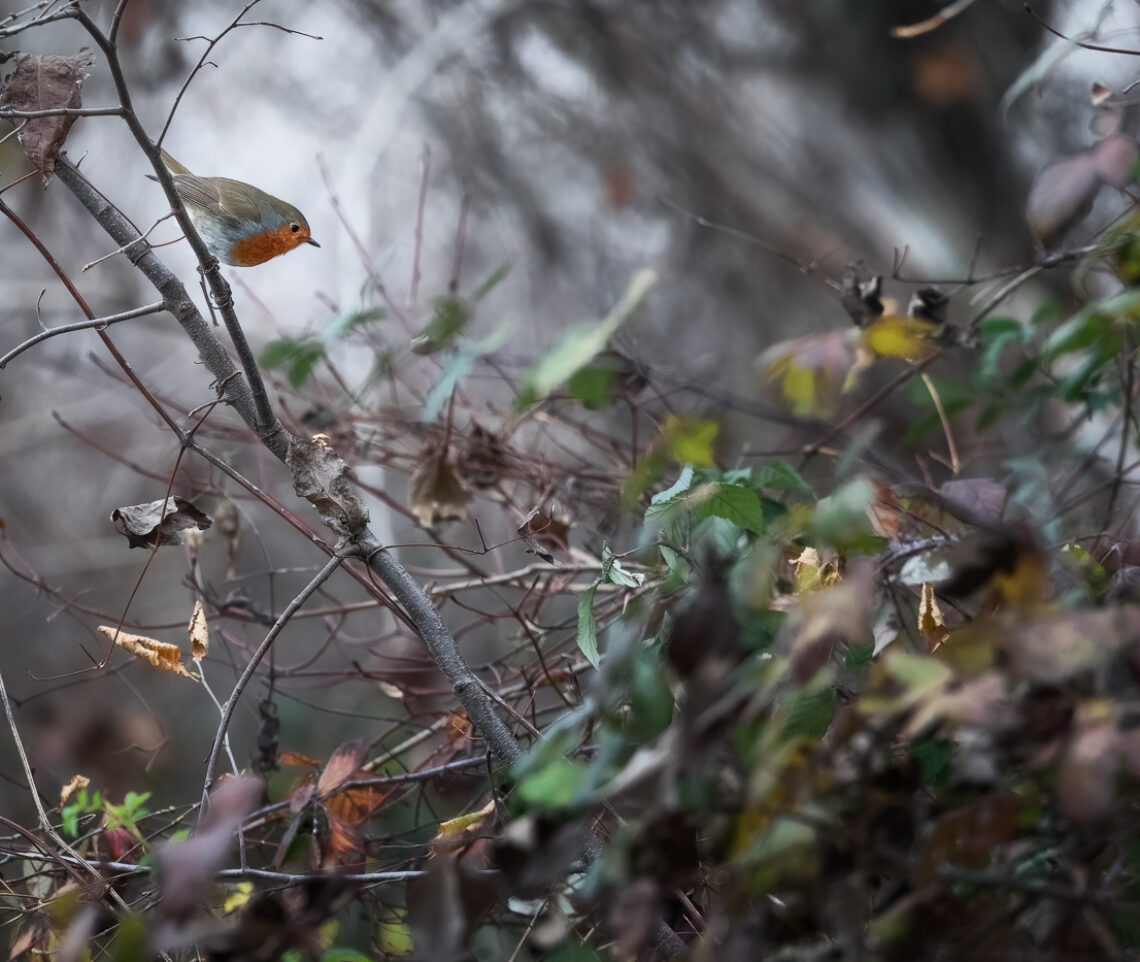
226, 200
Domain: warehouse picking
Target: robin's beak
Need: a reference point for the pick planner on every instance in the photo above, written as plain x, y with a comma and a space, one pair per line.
309, 240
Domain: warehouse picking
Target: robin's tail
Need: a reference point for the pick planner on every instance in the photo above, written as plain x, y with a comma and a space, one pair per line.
175, 167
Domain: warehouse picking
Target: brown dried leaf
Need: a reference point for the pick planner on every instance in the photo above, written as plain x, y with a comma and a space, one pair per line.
341, 765
199, 633
46, 82
543, 531
158, 522
1060, 196
930, 620
436, 493
228, 523
482, 461
77, 782
160, 654
321, 477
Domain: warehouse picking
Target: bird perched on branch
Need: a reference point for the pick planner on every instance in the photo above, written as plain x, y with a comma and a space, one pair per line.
239, 224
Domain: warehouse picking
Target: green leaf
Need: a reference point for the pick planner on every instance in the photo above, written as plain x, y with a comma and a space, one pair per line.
650, 698
128, 944
344, 955
553, 786
781, 476
810, 714
933, 756
344, 324
491, 282
1081, 331
740, 505
593, 386
298, 356
449, 317
614, 573
587, 627
680, 486
578, 346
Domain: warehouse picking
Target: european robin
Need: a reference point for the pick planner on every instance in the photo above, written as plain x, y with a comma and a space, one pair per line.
239, 224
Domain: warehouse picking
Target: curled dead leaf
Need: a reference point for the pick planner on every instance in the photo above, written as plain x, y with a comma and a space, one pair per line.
482, 461
46, 82
543, 531
160, 654
228, 523
320, 476
931, 624
158, 522
436, 493
199, 632
76, 782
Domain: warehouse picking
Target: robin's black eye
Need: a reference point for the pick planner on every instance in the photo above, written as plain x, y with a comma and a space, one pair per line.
294, 227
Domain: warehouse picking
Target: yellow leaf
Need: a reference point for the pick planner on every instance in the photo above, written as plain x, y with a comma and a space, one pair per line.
457, 832
160, 654
238, 897
912, 338
77, 782
691, 439
930, 621
199, 632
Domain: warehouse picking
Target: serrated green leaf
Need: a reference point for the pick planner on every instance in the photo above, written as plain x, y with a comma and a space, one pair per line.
780, 476
742, 506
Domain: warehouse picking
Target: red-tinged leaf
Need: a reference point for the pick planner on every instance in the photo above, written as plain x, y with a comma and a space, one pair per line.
296, 759
121, 844
354, 805
341, 766
343, 846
